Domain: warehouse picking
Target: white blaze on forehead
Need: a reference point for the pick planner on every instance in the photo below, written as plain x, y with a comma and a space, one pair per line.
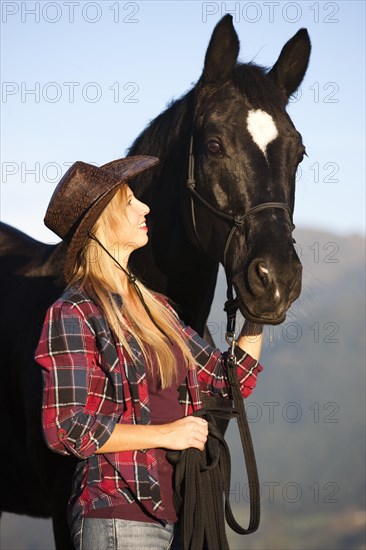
262, 128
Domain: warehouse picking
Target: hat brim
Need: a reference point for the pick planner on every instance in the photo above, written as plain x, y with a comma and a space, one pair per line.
123, 170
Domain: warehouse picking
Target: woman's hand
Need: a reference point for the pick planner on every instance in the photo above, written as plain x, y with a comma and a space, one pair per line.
189, 431
186, 432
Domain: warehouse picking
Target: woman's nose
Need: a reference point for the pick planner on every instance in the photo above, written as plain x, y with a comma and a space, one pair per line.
145, 208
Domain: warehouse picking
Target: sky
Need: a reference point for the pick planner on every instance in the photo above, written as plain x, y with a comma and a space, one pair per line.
80, 80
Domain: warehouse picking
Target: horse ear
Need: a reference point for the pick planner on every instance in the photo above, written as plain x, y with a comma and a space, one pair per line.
290, 68
222, 52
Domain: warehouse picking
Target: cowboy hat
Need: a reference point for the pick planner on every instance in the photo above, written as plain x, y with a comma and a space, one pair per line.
81, 196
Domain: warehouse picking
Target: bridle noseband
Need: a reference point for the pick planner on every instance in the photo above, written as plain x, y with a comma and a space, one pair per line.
236, 221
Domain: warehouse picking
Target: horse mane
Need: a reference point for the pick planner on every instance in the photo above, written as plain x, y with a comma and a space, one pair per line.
261, 91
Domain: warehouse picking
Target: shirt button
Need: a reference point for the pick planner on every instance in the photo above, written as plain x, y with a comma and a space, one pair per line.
61, 434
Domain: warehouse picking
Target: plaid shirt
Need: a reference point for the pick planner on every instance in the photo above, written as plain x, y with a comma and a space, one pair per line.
91, 383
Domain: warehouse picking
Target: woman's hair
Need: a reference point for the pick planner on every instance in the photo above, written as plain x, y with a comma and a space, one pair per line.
96, 271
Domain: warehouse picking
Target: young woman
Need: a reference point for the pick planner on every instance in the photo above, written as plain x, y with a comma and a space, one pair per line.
122, 375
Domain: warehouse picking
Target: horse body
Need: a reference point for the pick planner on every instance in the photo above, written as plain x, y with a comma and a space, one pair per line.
34, 481
246, 151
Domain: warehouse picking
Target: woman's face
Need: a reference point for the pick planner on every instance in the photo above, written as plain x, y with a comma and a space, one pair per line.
133, 231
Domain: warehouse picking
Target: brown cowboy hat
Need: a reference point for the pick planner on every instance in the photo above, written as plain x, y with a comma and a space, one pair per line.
81, 196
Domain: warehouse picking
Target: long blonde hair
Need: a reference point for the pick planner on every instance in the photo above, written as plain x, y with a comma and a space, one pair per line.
96, 271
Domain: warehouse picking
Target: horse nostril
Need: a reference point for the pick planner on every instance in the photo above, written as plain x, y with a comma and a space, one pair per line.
259, 277
263, 273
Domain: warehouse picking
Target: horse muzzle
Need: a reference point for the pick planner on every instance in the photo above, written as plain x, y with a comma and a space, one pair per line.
265, 290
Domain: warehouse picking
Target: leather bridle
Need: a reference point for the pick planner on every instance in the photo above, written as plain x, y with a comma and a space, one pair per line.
235, 221
231, 305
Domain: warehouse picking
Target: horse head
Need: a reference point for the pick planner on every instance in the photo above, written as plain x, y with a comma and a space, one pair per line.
245, 152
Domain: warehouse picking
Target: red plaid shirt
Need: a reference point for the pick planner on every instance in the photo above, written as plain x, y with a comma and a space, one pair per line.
90, 384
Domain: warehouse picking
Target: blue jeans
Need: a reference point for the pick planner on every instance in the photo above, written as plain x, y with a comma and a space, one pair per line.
121, 534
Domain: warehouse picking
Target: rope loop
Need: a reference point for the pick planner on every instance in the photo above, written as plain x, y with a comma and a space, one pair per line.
239, 220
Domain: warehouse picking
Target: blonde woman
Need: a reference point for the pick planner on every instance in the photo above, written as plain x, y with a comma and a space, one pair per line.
122, 375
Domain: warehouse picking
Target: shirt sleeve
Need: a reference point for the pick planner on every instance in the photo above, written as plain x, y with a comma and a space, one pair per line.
212, 368
67, 353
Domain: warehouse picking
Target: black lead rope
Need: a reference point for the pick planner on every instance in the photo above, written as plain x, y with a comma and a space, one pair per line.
250, 461
231, 307
201, 479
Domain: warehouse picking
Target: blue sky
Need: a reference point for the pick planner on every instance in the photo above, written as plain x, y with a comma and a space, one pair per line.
100, 71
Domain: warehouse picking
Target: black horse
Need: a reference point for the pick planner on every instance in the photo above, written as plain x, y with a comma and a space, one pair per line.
223, 192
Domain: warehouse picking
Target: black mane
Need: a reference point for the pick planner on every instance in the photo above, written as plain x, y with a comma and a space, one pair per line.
261, 92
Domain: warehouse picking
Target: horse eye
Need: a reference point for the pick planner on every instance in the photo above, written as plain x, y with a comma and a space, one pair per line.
214, 147
302, 155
